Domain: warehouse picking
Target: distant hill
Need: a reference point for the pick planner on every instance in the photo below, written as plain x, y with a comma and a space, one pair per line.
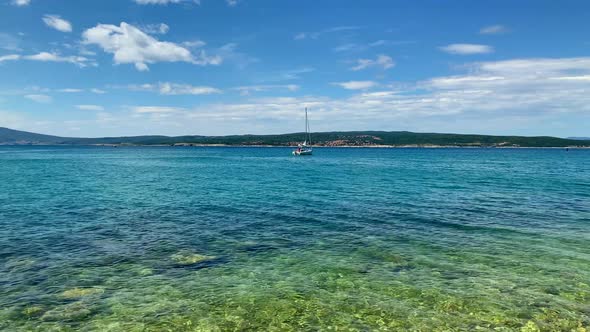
348, 138
11, 136
580, 138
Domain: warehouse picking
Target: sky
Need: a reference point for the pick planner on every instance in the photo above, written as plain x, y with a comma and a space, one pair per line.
216, 67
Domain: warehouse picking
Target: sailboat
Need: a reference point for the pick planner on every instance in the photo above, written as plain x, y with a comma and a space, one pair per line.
304, 149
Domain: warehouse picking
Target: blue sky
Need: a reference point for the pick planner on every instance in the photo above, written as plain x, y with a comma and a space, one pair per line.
215, 67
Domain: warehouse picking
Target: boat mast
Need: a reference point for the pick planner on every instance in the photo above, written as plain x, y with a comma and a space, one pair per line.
307, 131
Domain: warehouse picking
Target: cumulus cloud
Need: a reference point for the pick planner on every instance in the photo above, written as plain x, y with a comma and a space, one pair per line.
90, 107
382, 61
518, 96
502, 93
356, 85
466, 49
57, 23
130, 45
167, 88
43, 99
21, 3
493, 30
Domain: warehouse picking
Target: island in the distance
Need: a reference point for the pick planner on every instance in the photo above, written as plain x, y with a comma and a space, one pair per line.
330, 139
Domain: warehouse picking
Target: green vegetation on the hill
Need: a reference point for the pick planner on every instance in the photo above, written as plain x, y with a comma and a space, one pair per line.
349, 138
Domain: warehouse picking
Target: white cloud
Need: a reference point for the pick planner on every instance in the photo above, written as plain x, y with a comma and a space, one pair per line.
349, 47
538, 66
355, 47
44, 99
129, 44
194, 43
382, 61
161, 28
504, 94
52, 57
519, 96
90, 107
300, 36
342, 28
379, 42
247, 90
156, 109
184, 89
10, 57
573, 78
356, 85
97, 91
465, 49
21, 3
286, 75
231, 3
493, 30
14, 120
318, 34
57, 23
166, 88
70, 90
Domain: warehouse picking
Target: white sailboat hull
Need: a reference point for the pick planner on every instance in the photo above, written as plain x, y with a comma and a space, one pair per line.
302, 152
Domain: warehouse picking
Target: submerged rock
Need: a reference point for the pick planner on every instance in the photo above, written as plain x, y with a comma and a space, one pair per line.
145, 272
32, 311
69, 312
81, 292
188, 258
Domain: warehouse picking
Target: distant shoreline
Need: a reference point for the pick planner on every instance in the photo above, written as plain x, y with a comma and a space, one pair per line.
348, 139
317, 146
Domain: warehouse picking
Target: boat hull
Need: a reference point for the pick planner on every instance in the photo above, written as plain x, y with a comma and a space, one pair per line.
302, 153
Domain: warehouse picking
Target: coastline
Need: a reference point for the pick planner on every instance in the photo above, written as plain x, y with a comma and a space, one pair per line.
317, 146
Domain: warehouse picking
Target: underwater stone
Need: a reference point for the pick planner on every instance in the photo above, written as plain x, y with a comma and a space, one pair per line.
145, 272
31, 311
184, 258
81, 292
72, 311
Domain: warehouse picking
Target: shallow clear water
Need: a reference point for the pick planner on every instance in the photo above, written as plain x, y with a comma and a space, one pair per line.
218, 239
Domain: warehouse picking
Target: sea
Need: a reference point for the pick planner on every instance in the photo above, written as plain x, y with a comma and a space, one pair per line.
255, 239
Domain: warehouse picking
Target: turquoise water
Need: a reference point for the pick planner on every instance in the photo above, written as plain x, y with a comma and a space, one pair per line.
241, 239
